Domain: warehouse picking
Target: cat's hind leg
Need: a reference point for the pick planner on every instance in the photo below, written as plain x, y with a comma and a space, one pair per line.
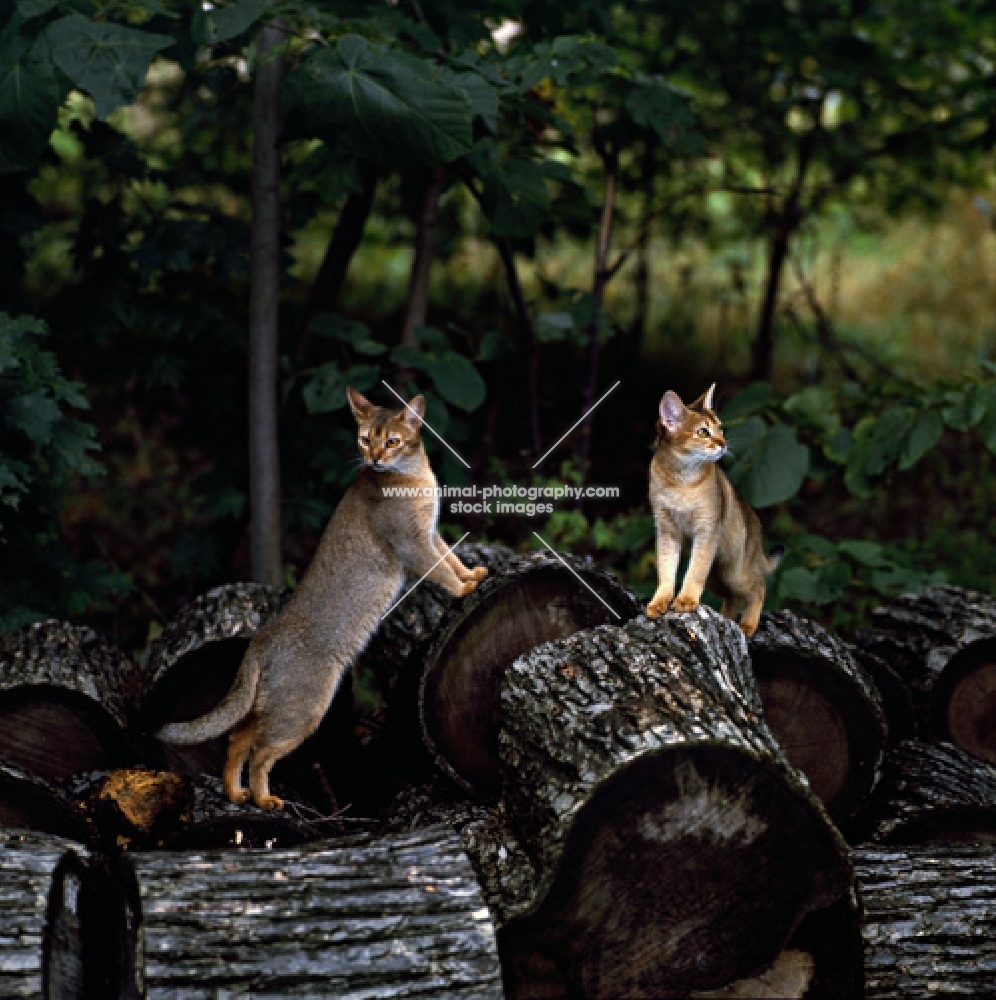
239, 745
262, 762
752, 613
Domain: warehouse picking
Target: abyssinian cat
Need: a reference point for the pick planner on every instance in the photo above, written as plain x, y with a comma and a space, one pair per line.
292, 668
693, 501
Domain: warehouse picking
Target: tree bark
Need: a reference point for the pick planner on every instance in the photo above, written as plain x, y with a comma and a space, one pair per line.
822, 707
942, 642
425, 247
934, 793
264, 316
395, 917
41, 935
64, 700
930, 921
28, 802
530, 600
675, 848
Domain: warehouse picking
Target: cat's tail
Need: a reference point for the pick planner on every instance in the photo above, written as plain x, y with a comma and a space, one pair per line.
230, 711
773, 558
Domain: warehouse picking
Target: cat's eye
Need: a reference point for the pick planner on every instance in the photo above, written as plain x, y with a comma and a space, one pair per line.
393, 442
364, 440
703, 432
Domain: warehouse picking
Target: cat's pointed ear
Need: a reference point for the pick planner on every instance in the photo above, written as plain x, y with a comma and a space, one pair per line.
671, 411
704, 402
414, 412
359, 404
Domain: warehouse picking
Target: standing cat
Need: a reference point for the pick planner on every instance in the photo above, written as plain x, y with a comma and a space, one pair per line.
292, 668
692, 500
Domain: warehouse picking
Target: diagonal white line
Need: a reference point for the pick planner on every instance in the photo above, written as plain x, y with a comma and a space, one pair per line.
581, 421
417, 582
580, 578
455, 452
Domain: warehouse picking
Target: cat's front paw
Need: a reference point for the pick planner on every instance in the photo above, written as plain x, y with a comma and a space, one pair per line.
659, 605
270, 802
479, 573
683, 604
468, 587
240, 796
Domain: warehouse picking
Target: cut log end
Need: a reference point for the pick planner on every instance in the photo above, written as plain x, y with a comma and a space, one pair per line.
720, 822
55, 733
969, 708
460, 698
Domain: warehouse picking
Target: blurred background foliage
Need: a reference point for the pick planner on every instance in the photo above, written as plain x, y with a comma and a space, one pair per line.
794, 200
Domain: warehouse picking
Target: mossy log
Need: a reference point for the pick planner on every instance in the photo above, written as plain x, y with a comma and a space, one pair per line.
192, 665
824, 710
64, 697
942, 642
532, 599
930, 921
28, 802
934, 792
393, 917
42, 881
666, 843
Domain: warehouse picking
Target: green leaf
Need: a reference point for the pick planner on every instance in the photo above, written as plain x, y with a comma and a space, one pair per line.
743, 437
664, 109
753, 399
878, 443
554, 326
35, 413
33, 8
822, 585
352, 332
773, 469
108, 61
392, 104
966, 408
814, 407
327, 389
924, 434
222, 23
457, 381
30, 96
492, 346
864, 553
987, 428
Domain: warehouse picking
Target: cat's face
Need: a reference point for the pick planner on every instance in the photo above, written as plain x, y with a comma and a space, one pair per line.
692, 433
388, 440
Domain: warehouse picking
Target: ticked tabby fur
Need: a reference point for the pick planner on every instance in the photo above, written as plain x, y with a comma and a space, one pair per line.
292, 668
693, 502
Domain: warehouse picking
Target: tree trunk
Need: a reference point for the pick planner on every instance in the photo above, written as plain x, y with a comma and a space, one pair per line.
934, 793
942, 642
64, 699
396, 917
531, 600
930, 921
191, 667
763, 354
264, 315
603, 241
332, 274
824, 710
28, 802
897, 702
41, 935
425, 248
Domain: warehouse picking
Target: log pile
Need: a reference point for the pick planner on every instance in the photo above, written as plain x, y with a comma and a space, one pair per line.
824, 709
608, 806
942, 642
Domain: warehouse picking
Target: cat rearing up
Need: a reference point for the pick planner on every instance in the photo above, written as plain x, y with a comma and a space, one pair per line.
292, 668
693, 502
